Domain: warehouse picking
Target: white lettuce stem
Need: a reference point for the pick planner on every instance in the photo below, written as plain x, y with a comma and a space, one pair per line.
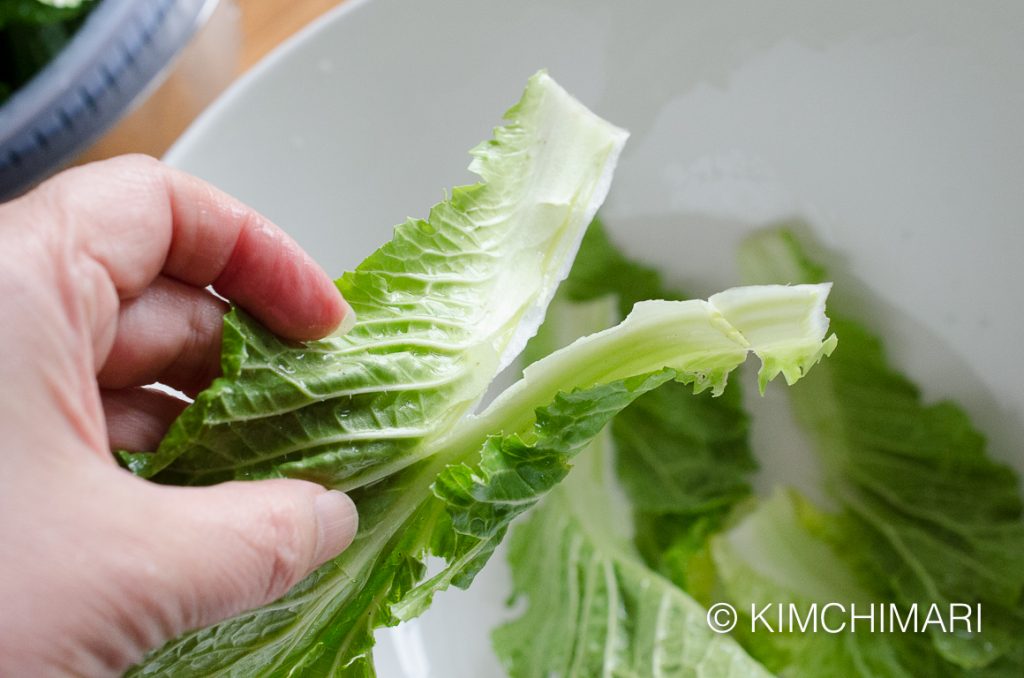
702, 339
698, 338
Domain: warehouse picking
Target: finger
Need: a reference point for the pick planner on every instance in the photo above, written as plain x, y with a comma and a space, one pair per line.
240, 545
170, 334
138, 217
138, 418
162, 560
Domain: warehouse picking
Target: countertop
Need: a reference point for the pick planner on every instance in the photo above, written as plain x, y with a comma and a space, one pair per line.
238, 34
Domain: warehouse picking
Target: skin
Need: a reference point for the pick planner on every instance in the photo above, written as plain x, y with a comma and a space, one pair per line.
103, 271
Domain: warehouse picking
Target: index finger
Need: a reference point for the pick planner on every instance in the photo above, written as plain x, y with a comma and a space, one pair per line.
140, 218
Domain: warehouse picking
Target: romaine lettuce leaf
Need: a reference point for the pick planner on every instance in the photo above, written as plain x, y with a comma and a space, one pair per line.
774, 557
593, 607
675, 453
383, 412
458, 501
683, 459
441, 308
927, 516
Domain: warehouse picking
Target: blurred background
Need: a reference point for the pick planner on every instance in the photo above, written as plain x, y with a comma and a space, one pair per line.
237, 34
83, 80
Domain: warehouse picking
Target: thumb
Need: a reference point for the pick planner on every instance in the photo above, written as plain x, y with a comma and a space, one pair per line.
239, 545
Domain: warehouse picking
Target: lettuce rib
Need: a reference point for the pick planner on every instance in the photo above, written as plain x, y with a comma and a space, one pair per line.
441, 308
383, 411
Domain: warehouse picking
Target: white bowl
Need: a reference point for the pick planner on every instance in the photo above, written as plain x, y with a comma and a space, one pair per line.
895, 131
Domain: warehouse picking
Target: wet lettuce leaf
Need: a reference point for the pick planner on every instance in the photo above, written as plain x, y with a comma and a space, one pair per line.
441, 308
683, 459
926, 515
593, 607
775, 557
385, 411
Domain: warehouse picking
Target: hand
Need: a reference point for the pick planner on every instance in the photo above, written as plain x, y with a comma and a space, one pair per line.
102, 277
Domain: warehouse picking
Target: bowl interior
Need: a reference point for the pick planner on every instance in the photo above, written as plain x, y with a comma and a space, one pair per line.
892, 135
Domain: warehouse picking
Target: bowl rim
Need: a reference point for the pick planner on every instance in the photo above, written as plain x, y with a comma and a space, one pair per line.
248, 80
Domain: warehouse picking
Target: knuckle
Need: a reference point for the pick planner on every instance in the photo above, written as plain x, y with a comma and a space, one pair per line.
140, 162
143, 174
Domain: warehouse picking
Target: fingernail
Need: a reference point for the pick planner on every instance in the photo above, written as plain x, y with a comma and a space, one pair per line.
336, 523
348, 321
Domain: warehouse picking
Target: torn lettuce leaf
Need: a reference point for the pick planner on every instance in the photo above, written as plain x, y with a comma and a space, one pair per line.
683, 459
927, 516
458, 501
593, 608
383, 412
441, 308
676, 453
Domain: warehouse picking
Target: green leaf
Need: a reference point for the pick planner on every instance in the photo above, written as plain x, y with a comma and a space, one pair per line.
514, 472
692, 342
441, 309
773, 559
383, 411
458, 501
927, 514
593, 607
683, 458
684, 461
